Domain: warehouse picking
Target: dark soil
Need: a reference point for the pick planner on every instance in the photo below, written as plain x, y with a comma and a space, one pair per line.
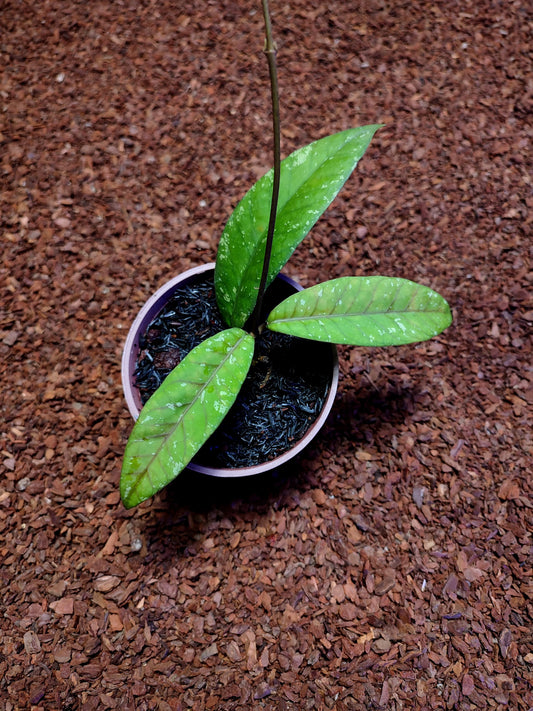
284, 391
390, 565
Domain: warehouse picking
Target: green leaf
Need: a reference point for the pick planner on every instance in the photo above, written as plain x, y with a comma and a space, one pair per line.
310, 179
183, 412
363, 311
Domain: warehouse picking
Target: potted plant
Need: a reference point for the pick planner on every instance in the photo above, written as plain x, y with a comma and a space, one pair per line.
256, 325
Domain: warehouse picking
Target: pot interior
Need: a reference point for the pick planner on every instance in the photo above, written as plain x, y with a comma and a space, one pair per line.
284, 395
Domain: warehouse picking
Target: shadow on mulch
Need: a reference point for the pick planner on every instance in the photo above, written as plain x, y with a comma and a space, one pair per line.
187, 504
371, 413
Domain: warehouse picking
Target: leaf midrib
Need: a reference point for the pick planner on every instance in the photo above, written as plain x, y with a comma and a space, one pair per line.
366, 314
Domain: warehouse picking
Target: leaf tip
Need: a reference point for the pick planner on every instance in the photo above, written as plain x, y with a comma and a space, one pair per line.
126, 495
129, 504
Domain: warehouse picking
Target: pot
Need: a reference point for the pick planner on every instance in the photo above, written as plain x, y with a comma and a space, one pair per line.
148, 312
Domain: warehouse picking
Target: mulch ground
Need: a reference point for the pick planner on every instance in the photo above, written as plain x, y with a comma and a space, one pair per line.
389, 566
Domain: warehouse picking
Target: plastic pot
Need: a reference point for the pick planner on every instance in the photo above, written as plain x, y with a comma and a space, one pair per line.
133, 398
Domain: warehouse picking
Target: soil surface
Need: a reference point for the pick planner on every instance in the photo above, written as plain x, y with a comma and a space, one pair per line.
390, 565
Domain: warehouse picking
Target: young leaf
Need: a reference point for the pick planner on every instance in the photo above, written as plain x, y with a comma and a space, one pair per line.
310, 179
363, 311
183, 412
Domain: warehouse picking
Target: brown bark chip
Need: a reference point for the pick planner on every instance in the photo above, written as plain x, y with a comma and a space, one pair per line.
390, 565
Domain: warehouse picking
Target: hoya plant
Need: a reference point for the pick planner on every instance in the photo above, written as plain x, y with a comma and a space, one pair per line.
265, 228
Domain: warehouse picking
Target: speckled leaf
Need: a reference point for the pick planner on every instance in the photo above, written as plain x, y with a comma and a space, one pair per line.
183, 412
363, 311
310, 179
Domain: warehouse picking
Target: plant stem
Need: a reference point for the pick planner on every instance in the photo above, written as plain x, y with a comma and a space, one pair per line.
270, 51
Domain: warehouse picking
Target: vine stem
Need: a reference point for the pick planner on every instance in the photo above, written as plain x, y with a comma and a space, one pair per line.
270, 52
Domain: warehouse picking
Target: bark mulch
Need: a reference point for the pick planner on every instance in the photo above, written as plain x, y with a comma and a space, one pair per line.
389, 566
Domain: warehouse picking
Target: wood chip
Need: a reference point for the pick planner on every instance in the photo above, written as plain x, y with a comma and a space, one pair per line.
63, 606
